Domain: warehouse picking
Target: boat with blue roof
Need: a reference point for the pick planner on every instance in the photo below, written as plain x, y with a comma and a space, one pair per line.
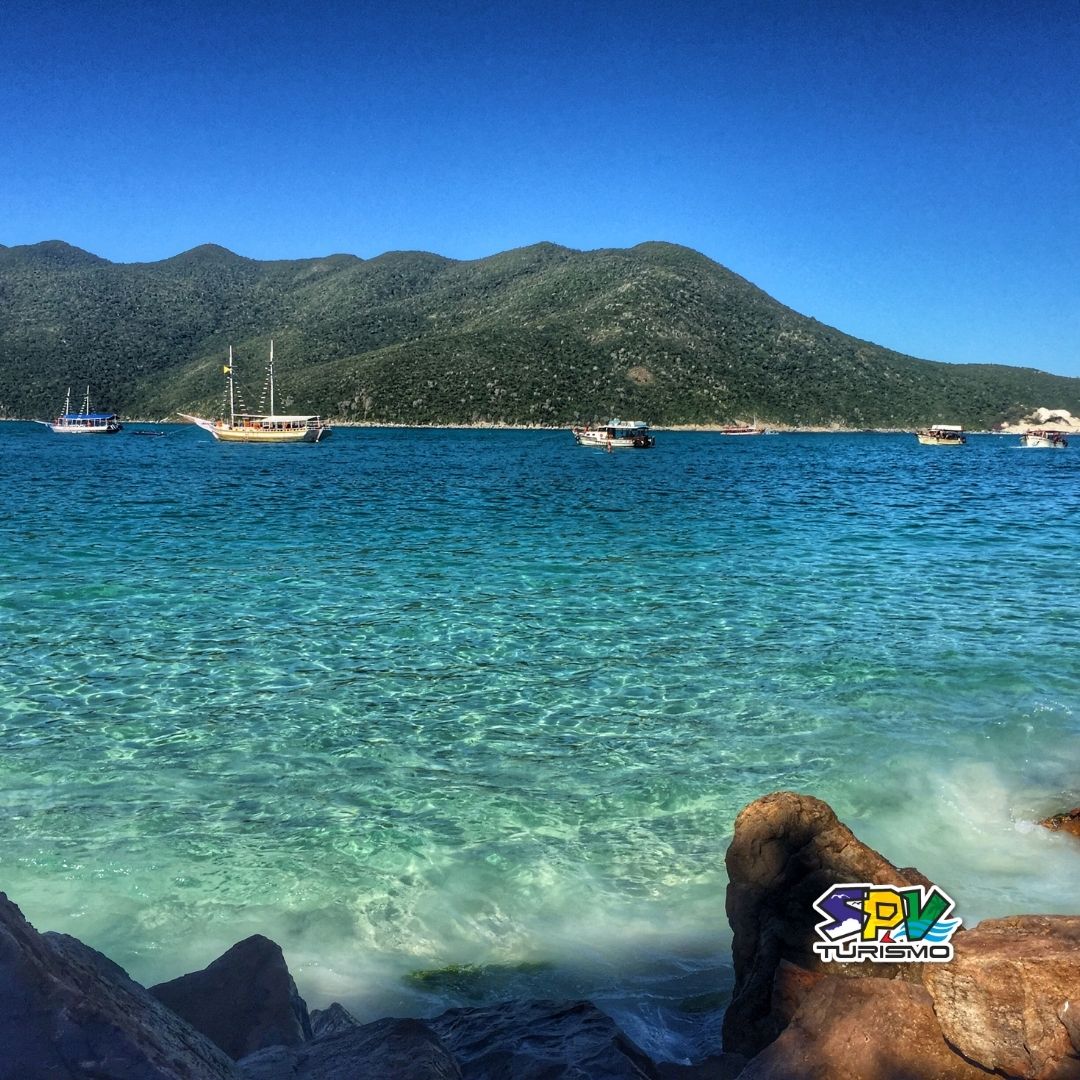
83, 422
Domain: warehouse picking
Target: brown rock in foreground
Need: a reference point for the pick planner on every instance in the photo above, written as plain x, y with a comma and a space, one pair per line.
786, 851
68, 1012
244, 1001
862, 1029
1010, 997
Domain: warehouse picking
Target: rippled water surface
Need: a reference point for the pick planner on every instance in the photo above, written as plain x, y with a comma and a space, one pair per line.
414, 699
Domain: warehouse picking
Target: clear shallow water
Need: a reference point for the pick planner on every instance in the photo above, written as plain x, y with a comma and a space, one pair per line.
411, 699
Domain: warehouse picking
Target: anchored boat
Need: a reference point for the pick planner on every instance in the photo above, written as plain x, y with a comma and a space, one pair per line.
616, 435
742, 429
270, 427
84, 422
942, 435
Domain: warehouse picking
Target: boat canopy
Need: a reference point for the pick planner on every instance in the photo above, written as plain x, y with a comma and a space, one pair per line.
946, 427
263, 418
89, 416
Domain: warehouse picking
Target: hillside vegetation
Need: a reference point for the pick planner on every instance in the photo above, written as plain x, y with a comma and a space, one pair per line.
538, 335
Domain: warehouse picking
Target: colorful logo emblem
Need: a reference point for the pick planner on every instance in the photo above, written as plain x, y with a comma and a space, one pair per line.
884, 924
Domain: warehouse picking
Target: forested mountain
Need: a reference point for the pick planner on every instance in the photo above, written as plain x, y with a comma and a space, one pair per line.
538, 335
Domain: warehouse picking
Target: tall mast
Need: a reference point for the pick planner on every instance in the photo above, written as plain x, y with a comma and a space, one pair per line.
67, 402
86, 402
232, 400
271, 376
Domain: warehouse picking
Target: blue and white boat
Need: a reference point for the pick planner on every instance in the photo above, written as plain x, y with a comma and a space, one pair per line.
84, 422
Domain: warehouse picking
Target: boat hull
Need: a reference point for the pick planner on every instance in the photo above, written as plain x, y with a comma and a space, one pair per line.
309, 435
936, 440
225, 432
604, 443
1043, 442
82, 429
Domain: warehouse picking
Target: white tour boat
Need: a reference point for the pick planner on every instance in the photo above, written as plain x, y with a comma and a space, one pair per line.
616, 435
742, 429
942, 435
1044, 438
260, 427
84, 422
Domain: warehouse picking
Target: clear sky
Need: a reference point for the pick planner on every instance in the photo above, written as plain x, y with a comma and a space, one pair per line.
908, 172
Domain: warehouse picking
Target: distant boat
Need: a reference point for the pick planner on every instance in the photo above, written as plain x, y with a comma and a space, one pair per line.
1044, 439
616, 435
84, 422
268, 427
942, 435
742, 429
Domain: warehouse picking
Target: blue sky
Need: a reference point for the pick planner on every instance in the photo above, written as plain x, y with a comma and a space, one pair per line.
907, 172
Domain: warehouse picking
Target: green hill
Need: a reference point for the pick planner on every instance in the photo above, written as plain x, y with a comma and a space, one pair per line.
538, 335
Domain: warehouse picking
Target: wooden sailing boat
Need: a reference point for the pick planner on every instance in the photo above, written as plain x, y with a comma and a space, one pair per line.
261, 427
84, 422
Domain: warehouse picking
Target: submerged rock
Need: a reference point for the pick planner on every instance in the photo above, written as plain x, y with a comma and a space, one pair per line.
66, 1011
245, 1000
1068, 822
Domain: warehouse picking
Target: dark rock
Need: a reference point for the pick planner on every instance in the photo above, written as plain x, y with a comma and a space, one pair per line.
244, 1001
862, 1029
66, 1011
1068, 822
1001, 1001
541, 1040
787, 849
719, 1067
394, 1049
332, 1019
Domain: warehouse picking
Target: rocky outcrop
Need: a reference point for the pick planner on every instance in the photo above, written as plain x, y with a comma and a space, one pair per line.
541, 1040
245, 1000
787, 849
68, 1012
402, 1049
1010, 997
1061, 419
331, 1020
1007, 1004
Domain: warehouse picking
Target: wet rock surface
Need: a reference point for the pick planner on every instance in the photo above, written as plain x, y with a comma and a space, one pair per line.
245, 1000
66, 1011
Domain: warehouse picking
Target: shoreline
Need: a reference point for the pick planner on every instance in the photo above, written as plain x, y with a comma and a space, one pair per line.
704, 429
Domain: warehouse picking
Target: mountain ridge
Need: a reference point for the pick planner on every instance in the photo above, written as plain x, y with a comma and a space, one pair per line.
542, 334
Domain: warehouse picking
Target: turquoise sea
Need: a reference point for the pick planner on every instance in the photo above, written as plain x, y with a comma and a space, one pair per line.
415, 699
